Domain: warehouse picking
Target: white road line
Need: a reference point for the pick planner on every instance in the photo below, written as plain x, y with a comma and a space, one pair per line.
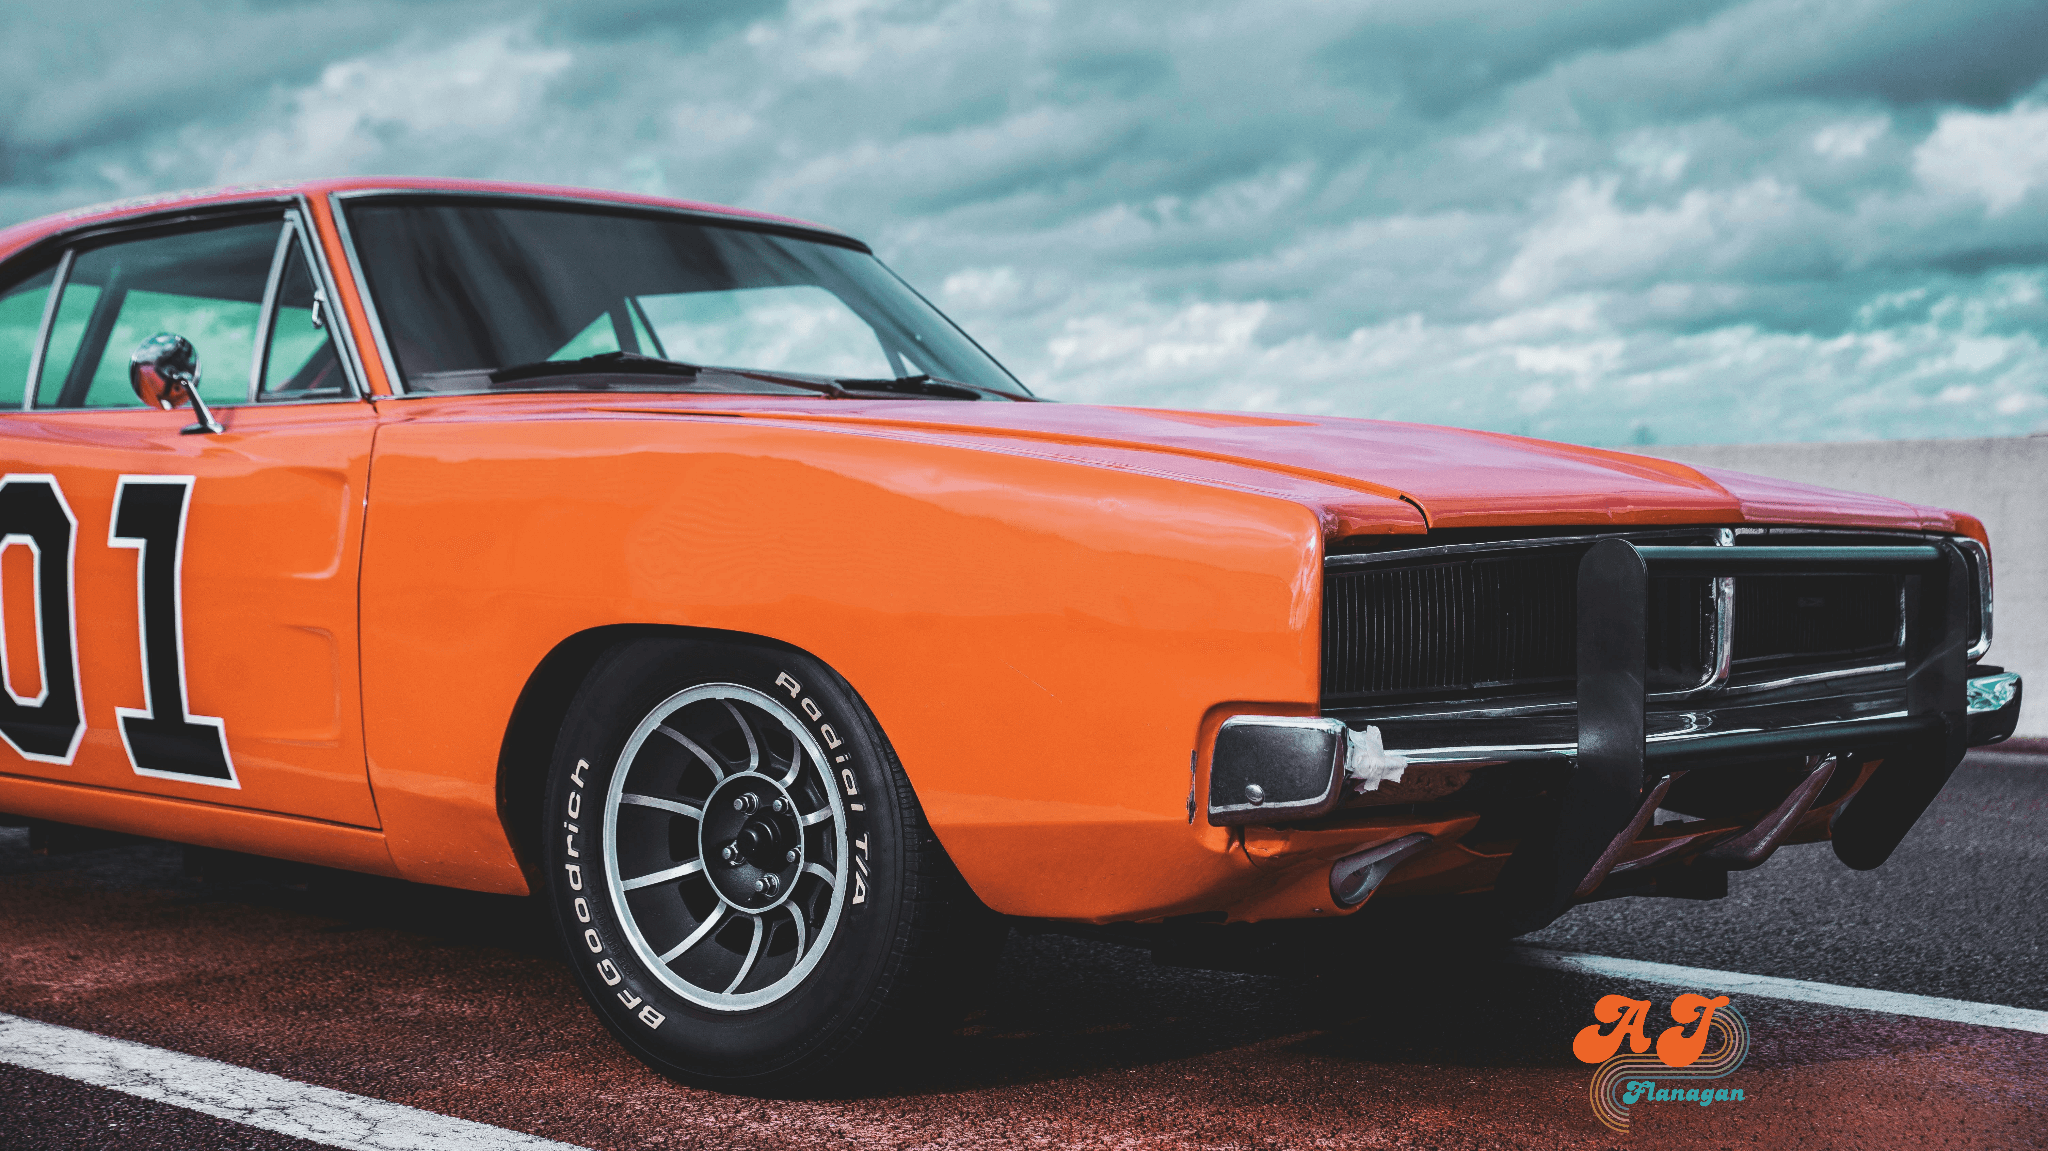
1830, 994
252, 1098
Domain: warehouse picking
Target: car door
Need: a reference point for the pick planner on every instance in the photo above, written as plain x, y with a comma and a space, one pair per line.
180, 607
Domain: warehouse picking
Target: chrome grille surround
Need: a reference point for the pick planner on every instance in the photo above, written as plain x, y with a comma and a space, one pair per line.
1480, 629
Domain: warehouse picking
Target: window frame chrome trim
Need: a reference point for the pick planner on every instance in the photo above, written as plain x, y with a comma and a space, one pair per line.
338, 327
732, 219
310, 250
169, 219
84, 233
392, 377
58, 279
268, 310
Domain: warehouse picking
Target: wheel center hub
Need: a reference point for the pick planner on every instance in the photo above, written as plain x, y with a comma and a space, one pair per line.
761, 842
751, 842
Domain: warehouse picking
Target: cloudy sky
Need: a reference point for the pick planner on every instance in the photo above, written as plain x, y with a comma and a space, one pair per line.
1616, 221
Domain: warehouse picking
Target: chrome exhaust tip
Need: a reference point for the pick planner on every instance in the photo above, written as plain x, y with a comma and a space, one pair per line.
1354, 878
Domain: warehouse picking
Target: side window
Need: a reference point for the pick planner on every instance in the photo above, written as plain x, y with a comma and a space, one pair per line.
300, 362
206, 286
21, 317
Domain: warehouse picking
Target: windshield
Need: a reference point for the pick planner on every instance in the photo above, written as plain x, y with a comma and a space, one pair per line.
468, 289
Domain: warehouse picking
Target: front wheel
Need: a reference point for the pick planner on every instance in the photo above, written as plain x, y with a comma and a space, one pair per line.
744, 881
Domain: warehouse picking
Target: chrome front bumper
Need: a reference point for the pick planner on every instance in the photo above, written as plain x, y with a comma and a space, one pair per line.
1865, 706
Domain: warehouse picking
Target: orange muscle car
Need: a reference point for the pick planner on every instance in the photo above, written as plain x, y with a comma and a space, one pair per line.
647, 557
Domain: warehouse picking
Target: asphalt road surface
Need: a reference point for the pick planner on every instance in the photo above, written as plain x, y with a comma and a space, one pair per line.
455, 1003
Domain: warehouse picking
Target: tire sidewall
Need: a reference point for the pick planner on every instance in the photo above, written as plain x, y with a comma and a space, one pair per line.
825, 1013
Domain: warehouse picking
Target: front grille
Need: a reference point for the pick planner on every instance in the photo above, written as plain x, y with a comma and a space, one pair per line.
1482, 625
1449, 627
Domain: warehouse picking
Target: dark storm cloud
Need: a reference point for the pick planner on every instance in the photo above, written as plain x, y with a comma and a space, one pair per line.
1443, 55
81, 75
1086, 74
605, 20
84, 77
1607, 221
1981, 55
1899, 52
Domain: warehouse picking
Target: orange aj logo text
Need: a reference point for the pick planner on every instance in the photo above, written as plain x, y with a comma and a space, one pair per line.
1682, 1052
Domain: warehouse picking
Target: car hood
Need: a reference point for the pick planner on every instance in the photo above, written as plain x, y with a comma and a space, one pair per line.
1369, 475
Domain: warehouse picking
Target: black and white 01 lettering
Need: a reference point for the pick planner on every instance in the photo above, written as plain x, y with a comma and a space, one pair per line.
46, 726
164, 739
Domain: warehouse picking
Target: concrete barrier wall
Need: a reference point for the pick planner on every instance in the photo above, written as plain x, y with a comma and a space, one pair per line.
2001, 482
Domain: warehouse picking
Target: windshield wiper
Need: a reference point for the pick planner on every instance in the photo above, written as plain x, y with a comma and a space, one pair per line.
602, 364
633, 363
927, 385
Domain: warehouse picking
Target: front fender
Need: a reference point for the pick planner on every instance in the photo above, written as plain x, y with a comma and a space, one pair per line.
1041, 639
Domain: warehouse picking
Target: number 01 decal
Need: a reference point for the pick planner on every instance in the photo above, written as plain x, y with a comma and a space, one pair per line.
48, 725
163, 738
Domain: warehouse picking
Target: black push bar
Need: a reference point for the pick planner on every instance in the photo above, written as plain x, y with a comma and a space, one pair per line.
1610, 774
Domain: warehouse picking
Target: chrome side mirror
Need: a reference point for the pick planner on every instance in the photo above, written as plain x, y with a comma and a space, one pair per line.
164, 371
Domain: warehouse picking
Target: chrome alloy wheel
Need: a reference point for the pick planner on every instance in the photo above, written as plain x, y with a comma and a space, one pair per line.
725, 846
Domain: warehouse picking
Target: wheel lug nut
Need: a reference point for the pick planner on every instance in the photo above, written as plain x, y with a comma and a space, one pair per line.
778, 805
739, 804
790, 857
761, 884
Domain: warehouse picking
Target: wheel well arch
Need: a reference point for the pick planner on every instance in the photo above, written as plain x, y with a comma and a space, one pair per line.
542, 706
